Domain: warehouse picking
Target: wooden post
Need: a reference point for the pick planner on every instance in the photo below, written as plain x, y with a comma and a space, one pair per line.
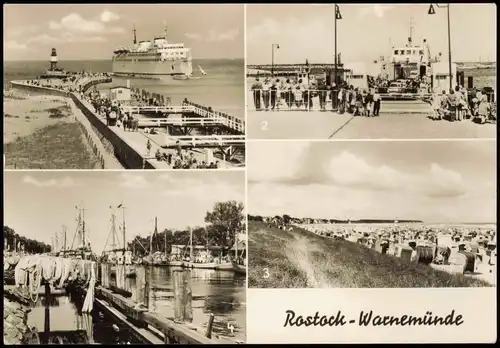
210, 324
46, 328
183, 310
188, 297
140, 282
147, 274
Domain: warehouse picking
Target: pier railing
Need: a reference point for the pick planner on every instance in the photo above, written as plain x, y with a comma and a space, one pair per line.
229, 121
136, 304
311, 99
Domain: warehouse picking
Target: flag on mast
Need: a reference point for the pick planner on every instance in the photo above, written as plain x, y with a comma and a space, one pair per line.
120, 205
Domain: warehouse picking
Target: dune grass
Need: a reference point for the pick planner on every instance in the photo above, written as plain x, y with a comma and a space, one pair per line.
58, 146
301, 259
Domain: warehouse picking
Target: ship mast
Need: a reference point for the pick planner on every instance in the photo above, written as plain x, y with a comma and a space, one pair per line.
191, 244
411, 32
123, 226
135, 36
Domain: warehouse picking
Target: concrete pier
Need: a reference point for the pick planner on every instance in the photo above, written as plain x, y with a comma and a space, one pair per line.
130, 147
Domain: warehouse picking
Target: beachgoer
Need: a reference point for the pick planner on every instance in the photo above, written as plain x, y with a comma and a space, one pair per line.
376, 103
257, 89
369, 102
148, 147
274, 93
266, 93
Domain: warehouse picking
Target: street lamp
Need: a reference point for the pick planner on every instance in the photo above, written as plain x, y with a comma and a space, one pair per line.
431, 12
273, 46
337, 16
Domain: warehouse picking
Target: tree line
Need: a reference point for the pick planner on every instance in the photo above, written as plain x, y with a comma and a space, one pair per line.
223, 223
13, 241
286, 219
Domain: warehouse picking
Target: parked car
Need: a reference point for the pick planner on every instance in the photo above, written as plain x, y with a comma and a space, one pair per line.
396, 87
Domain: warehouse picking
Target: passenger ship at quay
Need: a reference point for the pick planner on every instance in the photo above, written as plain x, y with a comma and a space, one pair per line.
153, 58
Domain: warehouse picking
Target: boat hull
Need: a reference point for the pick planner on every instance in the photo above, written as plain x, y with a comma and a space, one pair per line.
210, 265
240, 269
128, 66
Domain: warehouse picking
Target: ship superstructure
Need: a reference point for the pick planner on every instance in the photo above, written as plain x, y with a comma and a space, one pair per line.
156, 57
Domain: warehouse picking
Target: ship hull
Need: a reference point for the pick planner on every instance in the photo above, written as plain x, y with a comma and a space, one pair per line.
154, 68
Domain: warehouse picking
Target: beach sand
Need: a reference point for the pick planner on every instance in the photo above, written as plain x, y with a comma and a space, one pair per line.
39, 132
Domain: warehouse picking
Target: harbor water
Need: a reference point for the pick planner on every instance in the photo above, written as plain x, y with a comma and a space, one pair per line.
219, 292
222, 88
66, 315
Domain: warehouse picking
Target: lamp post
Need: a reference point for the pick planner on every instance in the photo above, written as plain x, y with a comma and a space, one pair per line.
273, 46
337, 16
431, 12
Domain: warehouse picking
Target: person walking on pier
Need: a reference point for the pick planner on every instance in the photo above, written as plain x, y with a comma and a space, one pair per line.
323, 90
376, 103
148, 147
274, 94
256, 91
369, 102
266, 93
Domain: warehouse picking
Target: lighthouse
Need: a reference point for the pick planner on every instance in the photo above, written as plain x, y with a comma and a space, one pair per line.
53, 60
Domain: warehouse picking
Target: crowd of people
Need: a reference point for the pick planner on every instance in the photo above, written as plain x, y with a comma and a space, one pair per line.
461, 104
297, 94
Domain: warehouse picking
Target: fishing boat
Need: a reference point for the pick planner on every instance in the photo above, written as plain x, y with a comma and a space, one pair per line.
117, 254
200, 265
234, 265
201, 70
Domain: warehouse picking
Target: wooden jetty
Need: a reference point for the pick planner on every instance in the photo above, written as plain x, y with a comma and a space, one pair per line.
132, 309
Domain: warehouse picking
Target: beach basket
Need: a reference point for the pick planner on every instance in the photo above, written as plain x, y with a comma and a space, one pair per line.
405, 254
470, 261
425, 254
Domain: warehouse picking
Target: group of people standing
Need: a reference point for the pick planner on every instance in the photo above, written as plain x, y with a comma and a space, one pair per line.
278, 94
460, 104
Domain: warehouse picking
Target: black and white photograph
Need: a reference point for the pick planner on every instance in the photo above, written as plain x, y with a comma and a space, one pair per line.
371, 71
130, 257
356, 214
113, 86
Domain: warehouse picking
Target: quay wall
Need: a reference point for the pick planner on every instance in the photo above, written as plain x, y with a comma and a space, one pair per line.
127, 155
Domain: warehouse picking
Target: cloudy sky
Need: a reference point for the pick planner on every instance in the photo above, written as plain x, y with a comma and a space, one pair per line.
430, 181
37, 204
366, 31
93, 31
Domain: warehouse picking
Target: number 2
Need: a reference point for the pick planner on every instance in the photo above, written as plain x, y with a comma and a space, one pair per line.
266, 273
263, 125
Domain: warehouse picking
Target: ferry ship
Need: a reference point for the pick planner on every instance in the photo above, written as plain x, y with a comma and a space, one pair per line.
153, 58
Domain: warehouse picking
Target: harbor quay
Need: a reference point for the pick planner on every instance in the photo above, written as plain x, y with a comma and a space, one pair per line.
88, 283
160, 136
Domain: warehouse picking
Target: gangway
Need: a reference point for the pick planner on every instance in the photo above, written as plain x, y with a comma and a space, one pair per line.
229, 145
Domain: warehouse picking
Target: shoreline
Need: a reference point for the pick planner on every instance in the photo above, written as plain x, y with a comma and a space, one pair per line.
27, 121
126, 145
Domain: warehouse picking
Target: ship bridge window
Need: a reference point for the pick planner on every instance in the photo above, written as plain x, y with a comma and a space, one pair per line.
441, 77
421, 52
396, 52
408, 51
357, 76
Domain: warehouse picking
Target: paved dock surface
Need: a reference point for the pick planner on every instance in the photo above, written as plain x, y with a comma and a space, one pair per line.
396, 121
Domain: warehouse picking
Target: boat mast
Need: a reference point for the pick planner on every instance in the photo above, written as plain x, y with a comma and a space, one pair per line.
165, 242
236, 245
135, 36
113, 230
64, 240
154, 233
191, 244
123, 223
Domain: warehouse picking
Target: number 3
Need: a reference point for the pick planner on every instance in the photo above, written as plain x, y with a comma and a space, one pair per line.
263, 125
266, 273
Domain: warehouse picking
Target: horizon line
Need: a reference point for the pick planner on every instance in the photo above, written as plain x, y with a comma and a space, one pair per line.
99, 59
